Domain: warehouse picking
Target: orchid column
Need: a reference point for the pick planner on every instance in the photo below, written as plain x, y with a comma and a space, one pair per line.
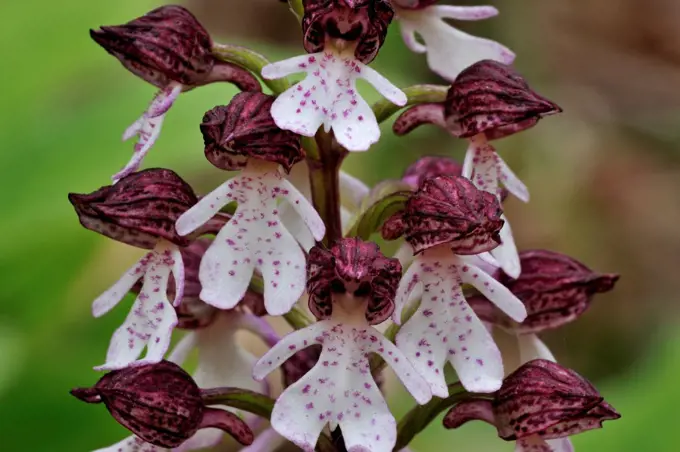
351, 287
487, 101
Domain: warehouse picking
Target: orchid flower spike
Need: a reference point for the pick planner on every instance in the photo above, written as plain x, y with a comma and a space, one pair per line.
341, 37
161, 404
446, 218
539, 406
243, 136
170, 49
555, 289
141, 210
487, 101
448, 50
351, 286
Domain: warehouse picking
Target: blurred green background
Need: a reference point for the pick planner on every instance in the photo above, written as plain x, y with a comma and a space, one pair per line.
604, 178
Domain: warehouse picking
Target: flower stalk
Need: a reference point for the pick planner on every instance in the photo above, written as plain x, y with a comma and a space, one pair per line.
251, 60
416, 94
324, 178
416, 420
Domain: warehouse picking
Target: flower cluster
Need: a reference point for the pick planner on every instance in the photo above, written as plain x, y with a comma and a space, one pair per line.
288, 234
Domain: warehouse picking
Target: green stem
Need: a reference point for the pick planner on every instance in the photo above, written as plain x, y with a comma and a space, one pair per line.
420, 417
297, 8
251, 60
416, 94
324, 180
241, 399
297, 319
253, 402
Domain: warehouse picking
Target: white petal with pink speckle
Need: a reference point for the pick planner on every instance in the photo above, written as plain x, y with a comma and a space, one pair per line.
147, 128
340, 389
152, 317
254, 238
485, 168
449, 50
328, 96
445, 328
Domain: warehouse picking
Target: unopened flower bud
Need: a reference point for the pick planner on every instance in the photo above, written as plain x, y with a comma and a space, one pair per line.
394, 227
355, 267
556, 289
161, 404
436, 165
245, 129
429, 167
451, 210
139, 210
541, 399
169, 45
363, 22
491, 98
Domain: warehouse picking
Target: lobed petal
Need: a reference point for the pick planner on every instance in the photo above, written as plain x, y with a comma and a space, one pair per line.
109, 299
496, 292
205, 209
450, 51
445, 328
148, 128
338, 390
304, 209
149, 323
288, 346
531, 347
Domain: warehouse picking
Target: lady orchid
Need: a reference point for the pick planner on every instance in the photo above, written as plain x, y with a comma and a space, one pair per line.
254, 238
449, 50
141, 210
448, 218
351, 286
288, 234
341, 37
170, 49
487, 101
